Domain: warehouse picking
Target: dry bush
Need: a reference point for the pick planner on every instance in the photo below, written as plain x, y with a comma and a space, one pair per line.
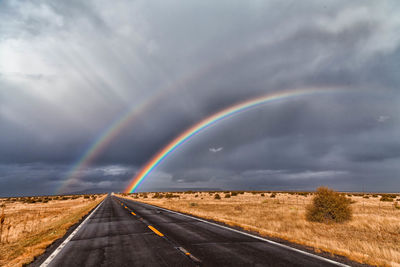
2, 219
329, 206
386, 198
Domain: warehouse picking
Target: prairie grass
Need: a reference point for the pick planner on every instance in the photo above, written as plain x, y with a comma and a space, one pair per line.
32, 224
372, 236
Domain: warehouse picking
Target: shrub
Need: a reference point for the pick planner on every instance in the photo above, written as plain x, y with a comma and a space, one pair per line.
158, 195
328, 206
386, 198
227, 195
262, 194
272, 196
234, 194
193, 204
217, 196
170, 195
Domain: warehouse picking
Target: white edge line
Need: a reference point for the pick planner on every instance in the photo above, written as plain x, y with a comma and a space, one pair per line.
62, 245
254, 236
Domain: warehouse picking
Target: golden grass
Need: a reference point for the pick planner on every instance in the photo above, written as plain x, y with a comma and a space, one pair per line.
28, 228
372, 236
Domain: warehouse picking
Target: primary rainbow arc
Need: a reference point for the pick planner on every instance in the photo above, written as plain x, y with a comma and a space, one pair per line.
205, 123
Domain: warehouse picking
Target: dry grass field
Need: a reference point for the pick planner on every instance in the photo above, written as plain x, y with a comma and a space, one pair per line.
372, 236
29, 225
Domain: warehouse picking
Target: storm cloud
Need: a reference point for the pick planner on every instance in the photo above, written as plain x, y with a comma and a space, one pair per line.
69, 70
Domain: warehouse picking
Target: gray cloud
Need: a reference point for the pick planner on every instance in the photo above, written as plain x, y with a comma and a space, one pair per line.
69, 70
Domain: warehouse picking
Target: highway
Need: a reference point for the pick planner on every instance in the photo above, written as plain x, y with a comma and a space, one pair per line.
121, 232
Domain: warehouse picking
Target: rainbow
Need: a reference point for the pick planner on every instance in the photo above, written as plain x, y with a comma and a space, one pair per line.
116, 127
207, 122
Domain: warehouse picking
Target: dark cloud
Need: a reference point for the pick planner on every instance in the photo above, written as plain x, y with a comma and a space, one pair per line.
70, 70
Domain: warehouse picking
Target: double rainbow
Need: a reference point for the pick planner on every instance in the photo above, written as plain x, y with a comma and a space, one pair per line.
207, 122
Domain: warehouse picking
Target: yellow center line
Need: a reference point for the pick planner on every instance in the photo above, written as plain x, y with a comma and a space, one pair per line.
155, 230
133, 213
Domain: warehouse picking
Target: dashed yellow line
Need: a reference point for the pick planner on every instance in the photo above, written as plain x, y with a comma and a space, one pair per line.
155, 230
133, 213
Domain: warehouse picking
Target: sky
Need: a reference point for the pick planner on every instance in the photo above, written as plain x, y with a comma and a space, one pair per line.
70, 69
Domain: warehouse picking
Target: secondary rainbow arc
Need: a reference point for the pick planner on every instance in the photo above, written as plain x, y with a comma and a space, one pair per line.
207, 122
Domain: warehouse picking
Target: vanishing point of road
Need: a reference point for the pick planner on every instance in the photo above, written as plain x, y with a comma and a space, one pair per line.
121, 232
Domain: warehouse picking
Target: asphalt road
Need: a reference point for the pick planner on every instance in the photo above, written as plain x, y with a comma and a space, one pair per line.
122, 232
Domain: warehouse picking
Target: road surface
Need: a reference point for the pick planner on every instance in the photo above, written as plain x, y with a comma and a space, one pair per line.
123, 232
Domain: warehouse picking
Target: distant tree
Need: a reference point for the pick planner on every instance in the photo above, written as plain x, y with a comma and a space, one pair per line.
328, 206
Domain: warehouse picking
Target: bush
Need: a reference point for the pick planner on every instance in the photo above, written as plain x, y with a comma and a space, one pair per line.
304, 194
386, 198
328, 206
170, 195
158, 195
217, 196
262, 194
272, 195
227, 195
